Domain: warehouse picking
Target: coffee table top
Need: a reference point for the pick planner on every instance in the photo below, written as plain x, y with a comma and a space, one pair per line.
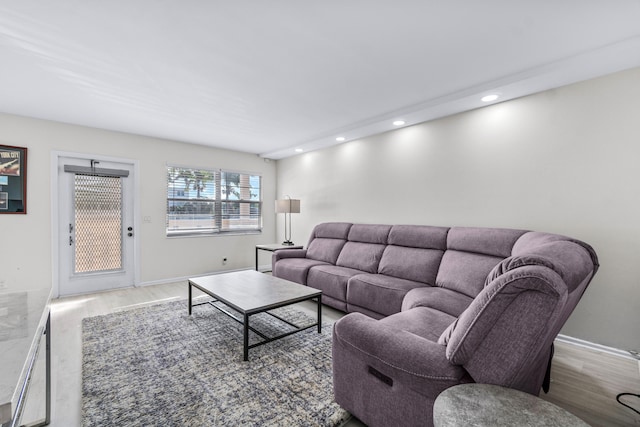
251, 291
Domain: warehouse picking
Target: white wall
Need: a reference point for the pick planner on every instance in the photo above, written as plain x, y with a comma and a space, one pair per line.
25, 255
564, 161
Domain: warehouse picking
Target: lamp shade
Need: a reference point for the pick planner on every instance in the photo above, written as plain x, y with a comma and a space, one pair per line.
288, 206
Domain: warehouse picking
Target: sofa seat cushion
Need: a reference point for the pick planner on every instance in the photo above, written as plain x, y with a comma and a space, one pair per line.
295, 269
445, 300
360, 342
378, 292
425, 322
331, 280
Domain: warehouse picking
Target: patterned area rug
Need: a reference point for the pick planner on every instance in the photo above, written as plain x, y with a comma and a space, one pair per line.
159, 366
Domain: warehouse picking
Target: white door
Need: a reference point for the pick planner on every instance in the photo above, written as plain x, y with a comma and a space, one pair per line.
96, 225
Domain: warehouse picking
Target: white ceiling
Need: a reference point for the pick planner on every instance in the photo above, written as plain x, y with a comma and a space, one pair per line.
267, 77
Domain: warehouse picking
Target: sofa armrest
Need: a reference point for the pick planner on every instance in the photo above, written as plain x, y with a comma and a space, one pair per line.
504, 336
398, 355
288, 253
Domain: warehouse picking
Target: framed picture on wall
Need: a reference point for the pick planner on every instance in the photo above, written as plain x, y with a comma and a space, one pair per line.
13, 180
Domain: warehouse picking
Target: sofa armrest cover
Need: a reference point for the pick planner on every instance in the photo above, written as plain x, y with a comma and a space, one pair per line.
288, 253
414, 361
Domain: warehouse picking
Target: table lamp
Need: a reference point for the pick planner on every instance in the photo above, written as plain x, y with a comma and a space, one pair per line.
287, 207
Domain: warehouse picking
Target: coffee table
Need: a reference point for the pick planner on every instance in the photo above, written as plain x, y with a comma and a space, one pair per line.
250, 292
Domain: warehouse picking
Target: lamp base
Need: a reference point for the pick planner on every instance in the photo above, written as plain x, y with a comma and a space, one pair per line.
287, 243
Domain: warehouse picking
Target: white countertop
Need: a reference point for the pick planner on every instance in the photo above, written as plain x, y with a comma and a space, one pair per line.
23, 317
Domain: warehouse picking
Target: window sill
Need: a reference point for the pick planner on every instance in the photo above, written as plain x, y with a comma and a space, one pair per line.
191, 234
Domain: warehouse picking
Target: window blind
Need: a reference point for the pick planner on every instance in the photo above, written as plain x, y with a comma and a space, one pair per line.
212, 201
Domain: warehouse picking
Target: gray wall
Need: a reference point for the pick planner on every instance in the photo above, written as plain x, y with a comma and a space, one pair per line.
564, 161
25, 255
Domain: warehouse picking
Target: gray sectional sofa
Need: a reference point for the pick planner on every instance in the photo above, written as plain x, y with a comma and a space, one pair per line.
432, 307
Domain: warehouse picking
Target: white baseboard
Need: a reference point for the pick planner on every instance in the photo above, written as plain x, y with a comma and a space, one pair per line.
593, 346
185, 278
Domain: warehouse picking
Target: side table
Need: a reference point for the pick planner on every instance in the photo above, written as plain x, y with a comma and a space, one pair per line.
491, 405
272, 248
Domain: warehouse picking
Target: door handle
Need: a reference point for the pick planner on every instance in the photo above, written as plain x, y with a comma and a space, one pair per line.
130, 229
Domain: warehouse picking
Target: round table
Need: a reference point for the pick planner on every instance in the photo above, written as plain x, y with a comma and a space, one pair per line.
492, 405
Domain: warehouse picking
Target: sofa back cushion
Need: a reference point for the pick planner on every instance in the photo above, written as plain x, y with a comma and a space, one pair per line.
419, 236
364, 248
465, 272
361, 256
369, 233
497, 242
420, 265
561, 253
327, 240
331, 230
326, 250
471, 255
414, 252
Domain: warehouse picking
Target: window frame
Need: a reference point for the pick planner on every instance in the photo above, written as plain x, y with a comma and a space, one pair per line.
223, 224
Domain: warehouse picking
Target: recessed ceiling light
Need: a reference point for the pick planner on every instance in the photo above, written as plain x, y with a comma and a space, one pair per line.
489, 98
341, 139
299, 150
398, 123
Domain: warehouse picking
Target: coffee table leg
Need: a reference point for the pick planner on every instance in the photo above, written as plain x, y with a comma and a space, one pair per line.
319, 313
190, 300
246, 337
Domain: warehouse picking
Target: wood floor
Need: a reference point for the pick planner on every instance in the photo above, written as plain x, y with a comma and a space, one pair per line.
584, 382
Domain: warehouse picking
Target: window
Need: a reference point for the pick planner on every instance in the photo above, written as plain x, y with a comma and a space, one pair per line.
212, 201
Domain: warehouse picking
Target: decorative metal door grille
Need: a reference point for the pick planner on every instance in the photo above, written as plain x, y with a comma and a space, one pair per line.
98, 223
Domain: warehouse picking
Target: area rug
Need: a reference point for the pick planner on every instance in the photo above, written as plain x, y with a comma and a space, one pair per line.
159, 366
